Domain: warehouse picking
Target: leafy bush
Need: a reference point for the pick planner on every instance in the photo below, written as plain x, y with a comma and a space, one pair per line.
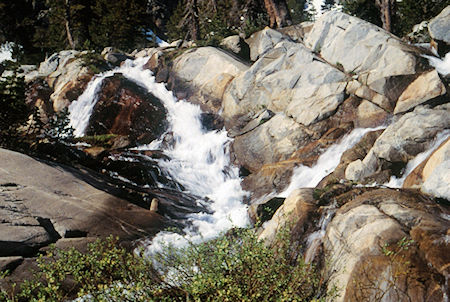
234, 267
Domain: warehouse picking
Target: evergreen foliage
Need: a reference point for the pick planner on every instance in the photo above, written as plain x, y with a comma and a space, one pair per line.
12, 98
234, 267
297, 11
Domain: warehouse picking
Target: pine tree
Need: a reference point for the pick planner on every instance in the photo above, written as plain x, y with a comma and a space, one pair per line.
328, 4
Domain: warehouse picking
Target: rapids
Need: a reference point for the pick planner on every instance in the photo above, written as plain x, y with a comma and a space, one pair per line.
199, 159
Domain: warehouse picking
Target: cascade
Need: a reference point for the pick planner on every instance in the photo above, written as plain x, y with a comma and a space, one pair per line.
314, 239
199, 159
395, 182
309, 177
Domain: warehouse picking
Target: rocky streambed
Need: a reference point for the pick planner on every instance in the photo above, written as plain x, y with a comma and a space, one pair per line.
336, 128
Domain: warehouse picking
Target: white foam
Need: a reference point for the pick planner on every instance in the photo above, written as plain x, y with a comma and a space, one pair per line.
309, 177
442, 65
395, 182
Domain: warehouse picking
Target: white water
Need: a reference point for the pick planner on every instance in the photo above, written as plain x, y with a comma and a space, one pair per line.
81, 109
442, 65
395, 182
199, 159
309, 177
314, 239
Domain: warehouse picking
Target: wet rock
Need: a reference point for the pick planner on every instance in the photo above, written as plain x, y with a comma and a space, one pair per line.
359, 151
211, 121
125, 108
401, 141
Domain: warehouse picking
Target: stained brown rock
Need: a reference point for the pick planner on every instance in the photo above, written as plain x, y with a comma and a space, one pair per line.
125, 108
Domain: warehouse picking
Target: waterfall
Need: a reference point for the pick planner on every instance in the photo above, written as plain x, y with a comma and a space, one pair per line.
199, 159
309, 177
395, 182
442, 65
80, 110
314, 240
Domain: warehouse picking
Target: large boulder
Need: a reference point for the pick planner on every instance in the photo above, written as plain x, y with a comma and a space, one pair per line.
439, 28
391, 244
67, 74
270, 142
125, 108
289, 78
401, 141
433, 174
379, 60
204, 73
41, 203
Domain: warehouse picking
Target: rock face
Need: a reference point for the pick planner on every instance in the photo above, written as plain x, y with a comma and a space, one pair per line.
125, 108
288, 78
363, 49
439, 28
66, 73
370, 252
208, 71
401, 141
433, 174
41, 204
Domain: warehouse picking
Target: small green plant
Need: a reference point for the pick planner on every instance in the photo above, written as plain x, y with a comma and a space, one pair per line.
340, 66
94, 62
234, 267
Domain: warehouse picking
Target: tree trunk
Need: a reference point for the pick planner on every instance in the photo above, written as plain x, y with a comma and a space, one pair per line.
190, 20
69, 25
387, 10
278, 13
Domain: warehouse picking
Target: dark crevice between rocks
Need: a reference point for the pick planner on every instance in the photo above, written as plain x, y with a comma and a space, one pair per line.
75, 234
12, 265
49, 228
266, 211
9, 184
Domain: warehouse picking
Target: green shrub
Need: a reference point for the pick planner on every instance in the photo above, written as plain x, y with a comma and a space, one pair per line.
234, 267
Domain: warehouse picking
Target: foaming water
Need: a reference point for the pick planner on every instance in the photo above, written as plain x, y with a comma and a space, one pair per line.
314, 240
309, 177
199, 159
81, 109
395, 182
442, 65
